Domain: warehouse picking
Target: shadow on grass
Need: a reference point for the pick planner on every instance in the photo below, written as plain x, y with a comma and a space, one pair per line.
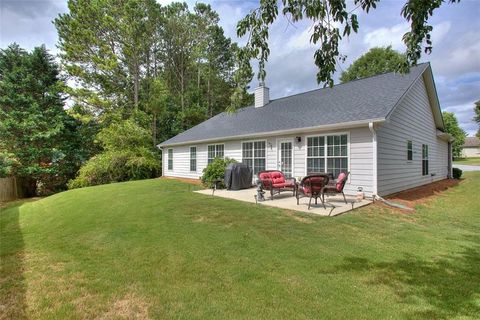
446, 287
12, 281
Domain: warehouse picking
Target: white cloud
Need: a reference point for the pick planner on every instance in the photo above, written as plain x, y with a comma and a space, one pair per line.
393, 36
384, 36
465, 114
440, 31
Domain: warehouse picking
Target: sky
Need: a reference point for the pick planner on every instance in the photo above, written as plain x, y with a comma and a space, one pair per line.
455, 59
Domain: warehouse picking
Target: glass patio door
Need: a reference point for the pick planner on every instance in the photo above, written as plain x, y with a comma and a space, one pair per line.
285, 157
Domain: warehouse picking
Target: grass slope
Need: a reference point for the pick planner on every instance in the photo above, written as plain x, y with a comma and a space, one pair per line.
154, 249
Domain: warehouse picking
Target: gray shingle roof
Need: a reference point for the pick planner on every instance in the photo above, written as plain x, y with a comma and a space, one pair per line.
364, 99
471, 142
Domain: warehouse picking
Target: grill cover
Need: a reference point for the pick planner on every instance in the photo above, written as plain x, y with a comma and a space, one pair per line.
238, 176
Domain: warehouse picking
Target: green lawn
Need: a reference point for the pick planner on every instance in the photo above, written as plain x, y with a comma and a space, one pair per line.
468, 161
154, 249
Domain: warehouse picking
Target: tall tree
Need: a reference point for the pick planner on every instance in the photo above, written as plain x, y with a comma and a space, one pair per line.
332, 20
452, 127
157, 104
375, 61
178, 42
35, 130
106, 46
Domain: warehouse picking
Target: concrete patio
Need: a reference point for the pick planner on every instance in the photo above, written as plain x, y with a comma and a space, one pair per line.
334, 204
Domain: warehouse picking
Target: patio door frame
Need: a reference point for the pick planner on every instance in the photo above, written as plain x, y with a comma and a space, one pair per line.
279, 143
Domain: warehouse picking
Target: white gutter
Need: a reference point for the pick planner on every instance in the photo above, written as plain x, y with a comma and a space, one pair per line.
339, 126
371, 126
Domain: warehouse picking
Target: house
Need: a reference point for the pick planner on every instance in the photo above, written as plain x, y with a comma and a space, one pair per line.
471, 147
387, 130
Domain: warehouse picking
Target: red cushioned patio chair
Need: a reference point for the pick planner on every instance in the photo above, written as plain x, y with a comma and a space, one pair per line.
336, 187
311, 186
276, 182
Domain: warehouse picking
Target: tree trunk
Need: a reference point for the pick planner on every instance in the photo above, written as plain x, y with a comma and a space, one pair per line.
135, 86
209, 110
154, 129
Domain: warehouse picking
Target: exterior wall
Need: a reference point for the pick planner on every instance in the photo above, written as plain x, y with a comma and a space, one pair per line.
471, 152
411, 120
360, 157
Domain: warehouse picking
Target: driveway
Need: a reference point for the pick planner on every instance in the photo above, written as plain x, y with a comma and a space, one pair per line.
465, 167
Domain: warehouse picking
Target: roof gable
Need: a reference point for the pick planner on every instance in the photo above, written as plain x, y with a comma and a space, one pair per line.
359, 101
471, 142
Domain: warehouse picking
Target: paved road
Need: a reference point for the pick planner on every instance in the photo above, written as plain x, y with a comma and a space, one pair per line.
465, 167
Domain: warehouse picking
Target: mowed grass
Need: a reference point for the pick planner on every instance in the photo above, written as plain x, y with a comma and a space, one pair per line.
155, 249
468, 161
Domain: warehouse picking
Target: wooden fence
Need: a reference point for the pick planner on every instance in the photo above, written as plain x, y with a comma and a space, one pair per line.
10, 189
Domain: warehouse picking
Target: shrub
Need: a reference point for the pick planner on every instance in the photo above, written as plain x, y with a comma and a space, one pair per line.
127, 156
215, 170
457, 173
8, 164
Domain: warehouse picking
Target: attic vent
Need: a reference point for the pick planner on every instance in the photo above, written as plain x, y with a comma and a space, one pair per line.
262, 95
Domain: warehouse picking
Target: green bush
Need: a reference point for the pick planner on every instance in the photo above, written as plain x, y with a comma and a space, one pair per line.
8, 164
457, 173
215, 170
127, 156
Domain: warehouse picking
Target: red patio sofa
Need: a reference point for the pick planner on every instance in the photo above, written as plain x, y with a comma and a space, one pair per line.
276, 182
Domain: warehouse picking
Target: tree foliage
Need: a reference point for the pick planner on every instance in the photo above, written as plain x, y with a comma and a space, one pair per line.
122, 54
477, 116
215, 170
332, 20
375, 61
36, 132
127, 155
452, 127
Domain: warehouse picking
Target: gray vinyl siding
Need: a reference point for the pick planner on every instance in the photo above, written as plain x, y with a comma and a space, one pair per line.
360, 151
411, 120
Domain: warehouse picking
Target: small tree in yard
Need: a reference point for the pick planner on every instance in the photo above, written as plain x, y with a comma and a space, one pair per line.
452, 127
477, 116
215, 170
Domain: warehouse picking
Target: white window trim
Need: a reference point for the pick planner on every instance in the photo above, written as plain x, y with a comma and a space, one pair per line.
196, 158
326, 151
292, 140
410, 140
428, 160
216, 144
169, 158
258, 140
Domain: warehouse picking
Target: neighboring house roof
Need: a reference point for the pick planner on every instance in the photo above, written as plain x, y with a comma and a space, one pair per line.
471, 142
359, 101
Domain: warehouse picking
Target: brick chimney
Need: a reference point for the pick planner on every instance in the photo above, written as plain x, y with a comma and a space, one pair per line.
262, 95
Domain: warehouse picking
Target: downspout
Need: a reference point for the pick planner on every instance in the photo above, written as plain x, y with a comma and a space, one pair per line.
371, 126
450, 160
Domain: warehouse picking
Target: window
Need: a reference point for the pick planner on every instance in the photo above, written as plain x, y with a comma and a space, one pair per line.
424, 159
193, 159
327, 154
215, 151
254, 155
315, 154
170, 159
409, 150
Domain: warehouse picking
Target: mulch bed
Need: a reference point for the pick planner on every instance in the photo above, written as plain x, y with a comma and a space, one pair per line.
186, 180
420, 195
